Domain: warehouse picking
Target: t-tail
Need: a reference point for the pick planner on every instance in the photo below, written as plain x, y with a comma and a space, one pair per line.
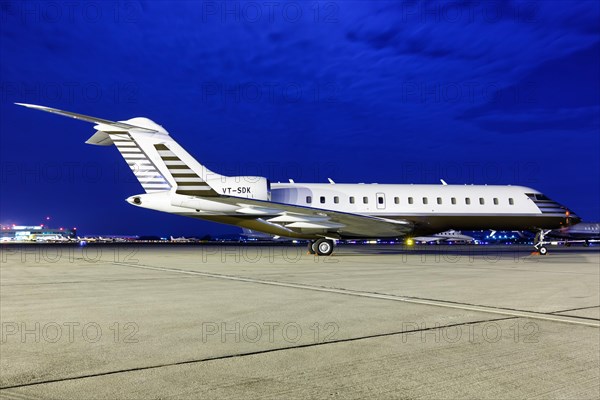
157, 161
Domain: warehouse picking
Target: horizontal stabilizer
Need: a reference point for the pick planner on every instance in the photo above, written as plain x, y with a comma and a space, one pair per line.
100, 139
87, 118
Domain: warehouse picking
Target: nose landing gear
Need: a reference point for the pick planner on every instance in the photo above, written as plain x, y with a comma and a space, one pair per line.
539, 242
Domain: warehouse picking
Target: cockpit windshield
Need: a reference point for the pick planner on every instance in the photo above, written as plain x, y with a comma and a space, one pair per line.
538, 196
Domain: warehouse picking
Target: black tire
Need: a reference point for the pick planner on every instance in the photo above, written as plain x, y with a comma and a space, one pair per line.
310, 247
323, 247
543, 251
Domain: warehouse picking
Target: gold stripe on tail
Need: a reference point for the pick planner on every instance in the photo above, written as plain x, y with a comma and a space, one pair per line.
188, 182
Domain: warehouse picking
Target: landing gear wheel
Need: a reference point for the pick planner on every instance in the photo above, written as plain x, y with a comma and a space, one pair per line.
311, 250
323, 247
539, 242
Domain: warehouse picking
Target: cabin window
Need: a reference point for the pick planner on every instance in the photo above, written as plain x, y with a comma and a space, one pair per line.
481, 201
467, 200
322, 199
308, 199
380, 200
396, 200
453, 200
336, 199
511, 201
365, 200
495, 201
424, 200
410, 200
439, 200
351, 199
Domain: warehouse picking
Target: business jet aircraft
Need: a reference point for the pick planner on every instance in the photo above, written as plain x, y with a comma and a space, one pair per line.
250, 234
585, 232
181, 239
51, 238
176, 183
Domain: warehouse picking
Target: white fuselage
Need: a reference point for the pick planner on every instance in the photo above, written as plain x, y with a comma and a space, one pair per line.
386, 200
431, 208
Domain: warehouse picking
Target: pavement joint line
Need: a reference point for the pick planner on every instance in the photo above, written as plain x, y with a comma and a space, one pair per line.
577, 316
575, 309
253, 353
439, 303
86, 281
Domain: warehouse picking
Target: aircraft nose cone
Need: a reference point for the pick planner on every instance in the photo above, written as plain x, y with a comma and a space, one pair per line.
572, 218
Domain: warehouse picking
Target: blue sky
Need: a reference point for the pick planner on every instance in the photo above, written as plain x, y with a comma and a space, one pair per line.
498, 92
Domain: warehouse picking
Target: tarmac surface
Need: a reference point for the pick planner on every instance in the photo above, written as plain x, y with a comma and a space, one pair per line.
249, 321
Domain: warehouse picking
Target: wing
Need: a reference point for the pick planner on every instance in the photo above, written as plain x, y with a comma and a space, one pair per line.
314, 221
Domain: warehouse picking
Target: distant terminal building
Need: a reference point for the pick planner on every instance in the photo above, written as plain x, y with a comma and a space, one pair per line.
36, 233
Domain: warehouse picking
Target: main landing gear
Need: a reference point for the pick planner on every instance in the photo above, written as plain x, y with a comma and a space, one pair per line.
539, 242
321, 247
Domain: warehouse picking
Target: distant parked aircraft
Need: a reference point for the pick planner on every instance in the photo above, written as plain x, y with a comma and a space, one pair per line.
51, 238
180, 239
583, 232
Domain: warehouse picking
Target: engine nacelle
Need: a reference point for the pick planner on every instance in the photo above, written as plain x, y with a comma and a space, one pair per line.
251, 187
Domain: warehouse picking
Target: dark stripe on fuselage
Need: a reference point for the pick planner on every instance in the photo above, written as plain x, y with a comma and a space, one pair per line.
427, 224
550, 207
423, 224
